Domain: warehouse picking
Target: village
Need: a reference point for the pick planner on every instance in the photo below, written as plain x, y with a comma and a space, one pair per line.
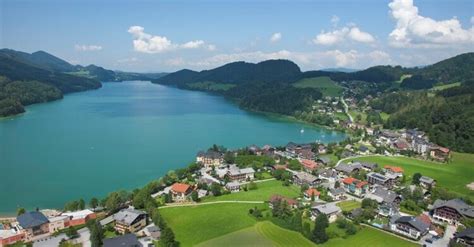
332, 179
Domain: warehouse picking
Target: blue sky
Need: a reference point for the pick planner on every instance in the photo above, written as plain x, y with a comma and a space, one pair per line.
152, 36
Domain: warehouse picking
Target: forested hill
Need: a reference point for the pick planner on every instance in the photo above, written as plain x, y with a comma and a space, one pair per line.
40, 77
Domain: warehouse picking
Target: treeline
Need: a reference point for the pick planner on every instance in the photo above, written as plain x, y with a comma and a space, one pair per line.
448, 121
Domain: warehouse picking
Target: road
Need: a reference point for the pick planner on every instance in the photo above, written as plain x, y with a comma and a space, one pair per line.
346, 109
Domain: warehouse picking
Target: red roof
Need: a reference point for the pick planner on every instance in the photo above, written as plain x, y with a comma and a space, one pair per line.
361, 184
425, 218
310, 164
312, 191
394, 168
282, 198
349, 180
444, 150
180, 188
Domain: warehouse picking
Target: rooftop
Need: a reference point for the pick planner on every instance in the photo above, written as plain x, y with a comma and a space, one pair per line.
180, 188
128, 215
31, 219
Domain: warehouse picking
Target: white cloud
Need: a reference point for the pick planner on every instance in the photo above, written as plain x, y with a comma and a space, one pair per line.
335, 20
414, 30
346, 33
275, 37
88, 47
147, 43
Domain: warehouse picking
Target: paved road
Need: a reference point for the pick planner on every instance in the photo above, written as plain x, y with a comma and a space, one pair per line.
207, 203
346, 109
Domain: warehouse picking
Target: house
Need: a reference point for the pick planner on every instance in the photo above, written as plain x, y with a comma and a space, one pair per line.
130, 220
327, 174
180, 192
401, 145
210, 158
420, 146
323, 160
10, 236
388, 209
322, 150
79, 217
127, 240
294, 148
427, 182
153, 231
337, 193
440, 153
465, 237
383, 195
409, 226
301, 178
202, 193
395, 170
278, 198
311, 194
363, 149
236, 174
375, 178
368, 166
255, 150
309, 165
58, 223
348, 169
355, 186
305, 154
452, 211
329, 209
33, 223
233, 186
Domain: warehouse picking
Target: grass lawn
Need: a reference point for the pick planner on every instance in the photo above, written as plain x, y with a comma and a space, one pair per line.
196, 224
263, 192
445, 86
369, 237
261, 234
363, 116
384, 116
327, 86
453, 176
349, 205
109, 234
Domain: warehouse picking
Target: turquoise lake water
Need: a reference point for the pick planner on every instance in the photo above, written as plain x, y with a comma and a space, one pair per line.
121, 137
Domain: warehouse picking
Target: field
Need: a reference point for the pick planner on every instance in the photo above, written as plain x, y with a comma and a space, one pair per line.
445, 86
263, 192
349, 205
369, 237
327, 86
196, 224
261, 234
363, 115
453, 176
211, 86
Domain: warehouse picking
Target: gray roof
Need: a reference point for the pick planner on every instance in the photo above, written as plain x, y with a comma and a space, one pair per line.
235, 170
467, 233
32, 219
327, 173
306, 177
457, 204
232, 184
348, 168
107, 220
127, 240
337, 191
377, 176
210, 154
426, 180
414, 222
369, 165
128, 215
324, 159
328, 208
381, 194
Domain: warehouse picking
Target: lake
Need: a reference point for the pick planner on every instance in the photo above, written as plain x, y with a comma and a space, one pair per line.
122, 136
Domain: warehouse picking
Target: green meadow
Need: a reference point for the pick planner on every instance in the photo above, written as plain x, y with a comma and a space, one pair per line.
327, 86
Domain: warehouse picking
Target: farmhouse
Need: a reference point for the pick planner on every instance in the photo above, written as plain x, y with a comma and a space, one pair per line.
309, 165
233, 186
130, 220
383, 195
452, 211
409, 226
348, 169
440, 153
327, 174
368, 166
336, 193
394, 170
278, 198
180, 192
427, 182
311, 193
379, 179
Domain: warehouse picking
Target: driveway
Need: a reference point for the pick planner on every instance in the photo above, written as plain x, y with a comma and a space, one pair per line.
84, 237
443, 242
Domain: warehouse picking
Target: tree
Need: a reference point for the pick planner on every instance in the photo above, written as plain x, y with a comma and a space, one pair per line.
337, 184
94, 202
113, 202
252, 186
71, 232
369, 203
319, 235
82, 204
167, 238
416, 178
194, 196
216, 189
229, 158
20, 211
96, 233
